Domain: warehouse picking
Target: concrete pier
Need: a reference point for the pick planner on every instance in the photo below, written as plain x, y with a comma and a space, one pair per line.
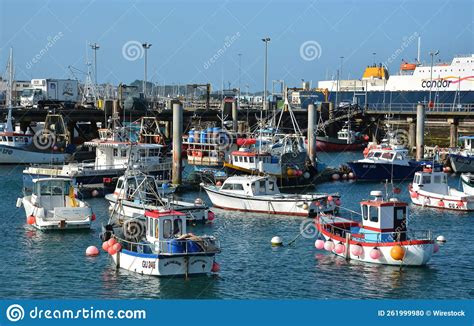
453, 132
411, 133
177, 143
420, 131
312, 134
235, 114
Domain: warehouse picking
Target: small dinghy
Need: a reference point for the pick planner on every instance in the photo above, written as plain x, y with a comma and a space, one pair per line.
260, 194
161, 246
54, 206
382, 236
430, 189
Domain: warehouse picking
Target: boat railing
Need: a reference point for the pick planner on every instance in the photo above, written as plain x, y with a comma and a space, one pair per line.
411, 107
196, 245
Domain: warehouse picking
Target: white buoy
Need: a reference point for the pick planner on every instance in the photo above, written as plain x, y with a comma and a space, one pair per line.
95, 193
351, 175
336, 176
277, 241
441, 238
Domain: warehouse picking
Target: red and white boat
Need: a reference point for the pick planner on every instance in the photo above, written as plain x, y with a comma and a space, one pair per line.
347, 140
382, 237
430, 189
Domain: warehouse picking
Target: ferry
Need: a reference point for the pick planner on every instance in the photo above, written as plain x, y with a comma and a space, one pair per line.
381, 237
451, 83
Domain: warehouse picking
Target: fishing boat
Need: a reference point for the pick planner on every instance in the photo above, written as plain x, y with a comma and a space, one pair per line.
430, 189
137, 192
260, 194
115, 151
163, 247
53, 205
381, 236
346, 140
467, 180
462, 160
386, 163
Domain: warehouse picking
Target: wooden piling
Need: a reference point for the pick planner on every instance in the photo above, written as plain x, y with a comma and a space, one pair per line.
420, 131
177, 142
312, 134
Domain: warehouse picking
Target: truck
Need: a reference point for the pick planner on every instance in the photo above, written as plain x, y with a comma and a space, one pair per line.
51, 93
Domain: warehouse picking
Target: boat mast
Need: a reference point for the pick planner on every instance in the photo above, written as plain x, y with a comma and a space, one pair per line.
9, 126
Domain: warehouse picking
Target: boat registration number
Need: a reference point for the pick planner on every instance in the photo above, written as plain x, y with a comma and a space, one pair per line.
367, 166
7, 151
148, 264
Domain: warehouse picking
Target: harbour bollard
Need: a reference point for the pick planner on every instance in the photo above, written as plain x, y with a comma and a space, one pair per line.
177, 142
420, 131
312, 134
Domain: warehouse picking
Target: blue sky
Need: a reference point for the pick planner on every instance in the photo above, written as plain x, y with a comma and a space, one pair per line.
199, 41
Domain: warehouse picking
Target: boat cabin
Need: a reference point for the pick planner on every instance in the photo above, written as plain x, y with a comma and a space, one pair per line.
468, 142
164, 225
252, 160
250, 186
50, 193
383, 220
387, 155
431, 181
346, 135
139, 188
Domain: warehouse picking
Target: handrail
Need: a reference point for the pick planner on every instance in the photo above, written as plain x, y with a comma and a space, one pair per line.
411, 107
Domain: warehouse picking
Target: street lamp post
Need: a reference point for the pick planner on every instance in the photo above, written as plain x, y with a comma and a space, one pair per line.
240, 70
266, 40
432, 54
146, 46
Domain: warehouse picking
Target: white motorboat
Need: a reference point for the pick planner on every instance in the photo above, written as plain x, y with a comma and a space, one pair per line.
163, 248
381, 236
136, 193
430, 189
54, 206
115, 152
260, 194
467, 180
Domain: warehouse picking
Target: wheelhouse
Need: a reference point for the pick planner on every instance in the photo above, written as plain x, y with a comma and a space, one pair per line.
164, 225
381, 216
428, 180
251, 186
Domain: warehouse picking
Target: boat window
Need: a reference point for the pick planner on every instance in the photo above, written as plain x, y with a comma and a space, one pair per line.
246, 159
437, 179
115, 152
167, 229
371, 154
227, 186
400, 213
417, 179
426, 179
399, 157
142, 153
177, 227
124, 153
387, 156
119, 184
262, 187
252, 159
377, 154
54, 188
149, 227
238, 186
10, 138
271, 186
364, 212
157, 229
445, 178
373, 214
26, 140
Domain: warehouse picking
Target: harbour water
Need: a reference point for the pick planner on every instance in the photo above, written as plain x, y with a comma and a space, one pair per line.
53, 265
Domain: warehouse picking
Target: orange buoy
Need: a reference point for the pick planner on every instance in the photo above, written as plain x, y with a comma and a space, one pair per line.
397, 252
105, 246
92, 251
31, 219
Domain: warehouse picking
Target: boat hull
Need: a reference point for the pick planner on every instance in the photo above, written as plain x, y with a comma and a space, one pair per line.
194, 213
383, 171
416, 254
62, 218
330, 144
285, 206
461, 164
467, 184
428, 199
164, 265
16, 155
